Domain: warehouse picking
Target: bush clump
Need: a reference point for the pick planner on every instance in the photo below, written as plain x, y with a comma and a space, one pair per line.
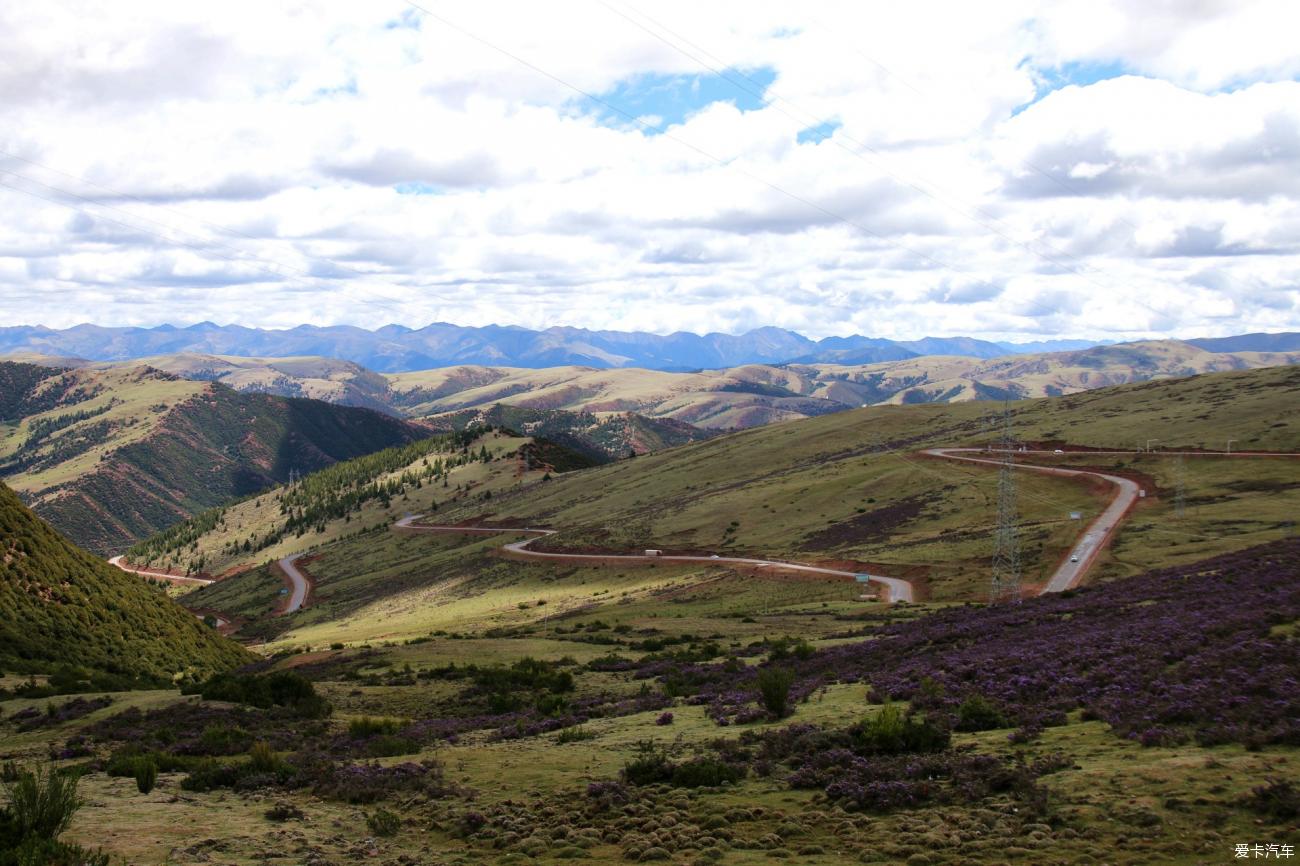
774, 690
279, 689
146, 774
978, 713
41, 805
891, 732
383, 822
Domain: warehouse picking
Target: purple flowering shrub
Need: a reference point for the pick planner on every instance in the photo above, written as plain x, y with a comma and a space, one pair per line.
1175, 654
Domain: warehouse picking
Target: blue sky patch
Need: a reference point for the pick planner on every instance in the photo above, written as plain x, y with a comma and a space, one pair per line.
419, 188
818, 133
1081, 73
669, 99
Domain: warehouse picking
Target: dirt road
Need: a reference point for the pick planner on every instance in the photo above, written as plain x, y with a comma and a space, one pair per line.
896, 589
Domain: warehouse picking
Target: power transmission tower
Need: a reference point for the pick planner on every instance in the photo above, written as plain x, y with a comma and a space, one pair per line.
1006, 550
1180, 488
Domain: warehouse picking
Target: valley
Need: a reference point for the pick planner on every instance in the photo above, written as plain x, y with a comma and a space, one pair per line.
481, 678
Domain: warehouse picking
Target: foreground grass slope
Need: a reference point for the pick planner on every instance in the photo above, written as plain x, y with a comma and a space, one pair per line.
110, 457
59, 605
1147, 721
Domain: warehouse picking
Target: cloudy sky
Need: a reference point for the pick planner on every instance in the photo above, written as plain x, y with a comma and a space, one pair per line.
1007, 170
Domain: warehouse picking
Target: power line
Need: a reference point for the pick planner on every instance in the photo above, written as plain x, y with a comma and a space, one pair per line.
770, 99
663, 131
927, 96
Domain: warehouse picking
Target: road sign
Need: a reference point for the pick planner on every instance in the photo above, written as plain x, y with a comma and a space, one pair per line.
1076, 515
862, 578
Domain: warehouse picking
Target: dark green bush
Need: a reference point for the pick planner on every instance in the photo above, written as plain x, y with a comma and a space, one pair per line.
705, 773
650, 766
890, 732
279, 689
774, 690
978, 713
383, 822
146, 774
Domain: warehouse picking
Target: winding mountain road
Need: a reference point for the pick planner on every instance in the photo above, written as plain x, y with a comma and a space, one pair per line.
299, 584
1098, 533
897, 589
161, 575
1076, 564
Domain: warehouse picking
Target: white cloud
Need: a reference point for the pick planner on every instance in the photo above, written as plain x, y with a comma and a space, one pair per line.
247, 162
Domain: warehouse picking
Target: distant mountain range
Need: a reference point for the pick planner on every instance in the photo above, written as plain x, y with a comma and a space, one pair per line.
395, 348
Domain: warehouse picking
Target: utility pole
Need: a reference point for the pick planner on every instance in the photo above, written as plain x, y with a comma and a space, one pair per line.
1180, 488
1230, 441
1006, 549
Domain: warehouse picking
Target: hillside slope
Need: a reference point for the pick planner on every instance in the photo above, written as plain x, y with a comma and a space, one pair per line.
756, 394
61, 605
734, 397
112, 456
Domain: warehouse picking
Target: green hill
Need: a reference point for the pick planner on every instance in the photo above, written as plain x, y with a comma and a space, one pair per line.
61, 605
847, 488
112, 456
601, 437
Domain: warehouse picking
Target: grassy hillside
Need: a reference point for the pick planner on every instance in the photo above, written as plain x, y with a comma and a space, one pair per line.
1152, 722
757, 394
61, 605
110, 457
341, 499
602, 437
844, 489
723, 399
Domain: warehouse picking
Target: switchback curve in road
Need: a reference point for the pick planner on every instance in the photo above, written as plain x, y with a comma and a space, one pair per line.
897, 588
161, 575
1099, 533
298, 583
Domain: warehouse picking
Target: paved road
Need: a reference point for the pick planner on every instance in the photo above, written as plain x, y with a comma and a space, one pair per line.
298, 584
896, 589
1094, 538
196, 581
1098, 533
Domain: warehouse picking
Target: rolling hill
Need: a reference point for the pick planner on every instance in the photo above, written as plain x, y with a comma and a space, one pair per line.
59, 605
846, 490
753, 395
732, 397
111, 456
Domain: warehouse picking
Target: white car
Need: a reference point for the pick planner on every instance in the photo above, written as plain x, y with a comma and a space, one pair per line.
1058, 451
1074, 557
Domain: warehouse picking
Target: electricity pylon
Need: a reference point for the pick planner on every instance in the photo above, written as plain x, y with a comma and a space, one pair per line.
1006, 549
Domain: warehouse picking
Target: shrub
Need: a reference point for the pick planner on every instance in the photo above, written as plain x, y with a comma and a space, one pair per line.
383, 822
650, 766
284, 812
386, 746
1278, 800
978, 713
575, 735
705, 773
263, 759
365, 726
774, 690
664, 719
146, 774
890, 732
42, 803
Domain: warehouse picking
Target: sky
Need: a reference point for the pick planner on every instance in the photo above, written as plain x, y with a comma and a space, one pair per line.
1006, 170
